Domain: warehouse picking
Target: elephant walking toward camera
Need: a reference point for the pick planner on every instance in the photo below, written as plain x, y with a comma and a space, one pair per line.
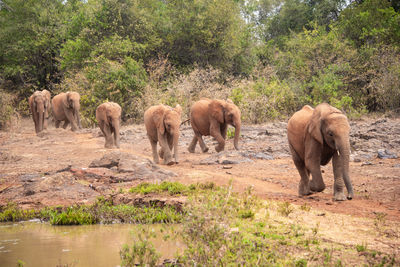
211, 117
65, 108
38, 106
108, 116
315, 137
162, 124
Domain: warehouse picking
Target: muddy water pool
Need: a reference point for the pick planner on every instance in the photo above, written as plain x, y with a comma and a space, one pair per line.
41, 244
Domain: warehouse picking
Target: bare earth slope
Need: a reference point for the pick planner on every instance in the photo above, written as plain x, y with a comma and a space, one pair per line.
52, 169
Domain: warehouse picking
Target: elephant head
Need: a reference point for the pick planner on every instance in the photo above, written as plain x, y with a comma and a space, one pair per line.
71, 102
330, 126
226, 112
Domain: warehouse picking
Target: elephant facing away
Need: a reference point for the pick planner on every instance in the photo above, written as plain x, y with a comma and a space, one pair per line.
315, 137
162, 124
211, 117
38, 106
108, 116
65, 108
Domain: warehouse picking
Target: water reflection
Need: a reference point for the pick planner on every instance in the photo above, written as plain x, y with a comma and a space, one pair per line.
40, 244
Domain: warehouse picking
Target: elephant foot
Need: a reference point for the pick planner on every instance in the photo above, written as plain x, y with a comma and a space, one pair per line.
219, 148
161, 153
156, 160
205, 150
191, 149
169, 162
316, 187
304, 190
339, 196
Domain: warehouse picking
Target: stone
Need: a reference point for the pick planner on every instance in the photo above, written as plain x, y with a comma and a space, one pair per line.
107, 161
225, 158
386, 154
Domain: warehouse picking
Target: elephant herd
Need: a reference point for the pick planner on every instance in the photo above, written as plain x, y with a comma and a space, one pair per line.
315, 136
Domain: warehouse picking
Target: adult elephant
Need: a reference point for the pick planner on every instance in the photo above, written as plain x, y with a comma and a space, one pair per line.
108, 116
315, 137
65, 108
47, 96
38, 107
211, 117
162, 125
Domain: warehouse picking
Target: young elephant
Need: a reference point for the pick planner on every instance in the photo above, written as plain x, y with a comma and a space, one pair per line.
211, 117
315, 136
65, 108
162, 124
108, 116
38, 106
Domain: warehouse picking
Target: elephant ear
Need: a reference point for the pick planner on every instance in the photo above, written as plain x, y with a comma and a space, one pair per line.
216, 110
159, 120
178, 109
314, 126
66, 99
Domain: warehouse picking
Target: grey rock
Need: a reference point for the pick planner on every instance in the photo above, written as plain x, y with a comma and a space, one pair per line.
225, 157
386, 154
107, 161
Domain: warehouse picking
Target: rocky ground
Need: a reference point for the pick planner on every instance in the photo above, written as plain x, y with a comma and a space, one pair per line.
60, 167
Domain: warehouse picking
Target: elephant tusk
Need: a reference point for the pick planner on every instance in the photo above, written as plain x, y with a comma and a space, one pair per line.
338, 153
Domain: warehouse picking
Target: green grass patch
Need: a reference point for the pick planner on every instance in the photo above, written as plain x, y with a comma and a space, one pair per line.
103, 211
172, 188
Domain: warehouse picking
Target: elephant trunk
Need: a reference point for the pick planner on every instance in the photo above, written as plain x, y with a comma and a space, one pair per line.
40, 114
175, 142
77, 116
237, 134
344, 151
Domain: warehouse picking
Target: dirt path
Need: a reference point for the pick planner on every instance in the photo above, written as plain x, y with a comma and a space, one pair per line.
376, 181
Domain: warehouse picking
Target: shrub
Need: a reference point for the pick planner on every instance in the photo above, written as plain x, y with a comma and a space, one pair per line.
6, 108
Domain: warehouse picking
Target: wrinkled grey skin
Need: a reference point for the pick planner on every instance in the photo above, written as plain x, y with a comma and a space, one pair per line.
65, 108
315, 137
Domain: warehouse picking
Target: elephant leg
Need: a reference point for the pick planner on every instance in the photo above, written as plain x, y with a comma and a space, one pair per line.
162, 139
154, 151
108, 135
317, 183
338, 186
65, 124
224, 130
313, 164
71, 118
57, 123
203, 146
116, 138
193, 144
215, 131
304, 185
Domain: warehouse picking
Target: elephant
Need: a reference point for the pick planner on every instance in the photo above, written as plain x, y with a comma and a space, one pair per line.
38, 106
315, 137
162, 125
108, 116
65, 108
47, 96
211, 117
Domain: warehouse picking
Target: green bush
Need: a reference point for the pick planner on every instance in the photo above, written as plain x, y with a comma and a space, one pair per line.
6, 108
